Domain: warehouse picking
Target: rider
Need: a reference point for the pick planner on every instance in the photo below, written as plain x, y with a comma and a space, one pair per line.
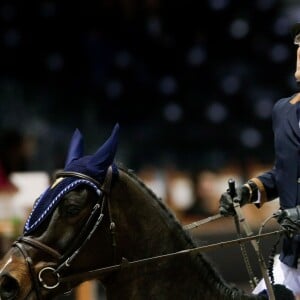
282, 181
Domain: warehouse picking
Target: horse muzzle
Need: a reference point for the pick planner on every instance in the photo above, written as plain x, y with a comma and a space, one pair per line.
9, 287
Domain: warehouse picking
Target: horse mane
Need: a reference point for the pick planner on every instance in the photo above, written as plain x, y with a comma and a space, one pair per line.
174, 221
207, 269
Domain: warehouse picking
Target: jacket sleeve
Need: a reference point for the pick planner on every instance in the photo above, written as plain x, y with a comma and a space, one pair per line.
266, 185
266, 182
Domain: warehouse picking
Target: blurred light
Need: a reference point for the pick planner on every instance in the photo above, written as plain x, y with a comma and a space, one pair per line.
279, 53
173, 112
216, 112
55, 62
155, 181
12, 38
239, 28
7, 12
39, 126
114, 89
293, 11
230, 84
196, 56
181, 193
218, 4
263, 108
265, 5
123, 59
168, 85
282, 26
250, 138
48, 9
154, 26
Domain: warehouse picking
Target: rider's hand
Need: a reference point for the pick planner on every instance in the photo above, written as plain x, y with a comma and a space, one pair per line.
289, 220
243, 196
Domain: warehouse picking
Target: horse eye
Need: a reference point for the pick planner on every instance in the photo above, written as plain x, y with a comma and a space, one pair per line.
71, 210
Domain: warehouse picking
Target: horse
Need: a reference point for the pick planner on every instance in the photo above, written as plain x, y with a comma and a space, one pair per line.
98, 220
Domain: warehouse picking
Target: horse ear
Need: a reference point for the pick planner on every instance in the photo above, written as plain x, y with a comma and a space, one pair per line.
105, 155
75, 147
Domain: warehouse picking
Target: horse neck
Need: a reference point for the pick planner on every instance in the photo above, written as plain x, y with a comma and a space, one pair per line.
145, 228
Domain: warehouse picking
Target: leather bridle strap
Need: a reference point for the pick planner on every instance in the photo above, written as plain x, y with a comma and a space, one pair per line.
36, 244
106, 187
85, 235
76, 174
75, 248
27, 258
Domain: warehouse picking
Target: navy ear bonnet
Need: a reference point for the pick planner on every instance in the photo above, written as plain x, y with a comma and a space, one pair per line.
94, 166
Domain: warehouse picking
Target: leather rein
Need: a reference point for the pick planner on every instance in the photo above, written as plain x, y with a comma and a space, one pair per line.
62, 262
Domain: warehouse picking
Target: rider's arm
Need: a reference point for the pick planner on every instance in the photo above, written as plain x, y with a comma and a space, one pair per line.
266, 186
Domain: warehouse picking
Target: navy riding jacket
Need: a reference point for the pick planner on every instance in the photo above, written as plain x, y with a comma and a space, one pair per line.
283, 180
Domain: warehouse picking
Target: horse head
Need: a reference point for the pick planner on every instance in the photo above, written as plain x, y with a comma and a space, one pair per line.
58, 234
100, 221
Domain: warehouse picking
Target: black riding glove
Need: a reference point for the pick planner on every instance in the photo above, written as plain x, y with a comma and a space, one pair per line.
246, 193
289, 220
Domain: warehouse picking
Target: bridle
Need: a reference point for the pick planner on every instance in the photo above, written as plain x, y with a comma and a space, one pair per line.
64, 261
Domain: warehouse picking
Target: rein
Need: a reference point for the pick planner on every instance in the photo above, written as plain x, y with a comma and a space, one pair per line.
92, 274
62, 262
239, 218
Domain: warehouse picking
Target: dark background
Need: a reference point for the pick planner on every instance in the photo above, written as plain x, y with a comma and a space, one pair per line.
190, 82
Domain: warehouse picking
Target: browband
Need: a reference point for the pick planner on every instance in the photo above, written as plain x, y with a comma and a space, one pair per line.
76, 174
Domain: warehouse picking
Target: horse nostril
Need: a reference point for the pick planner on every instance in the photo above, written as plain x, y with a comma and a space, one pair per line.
9, 287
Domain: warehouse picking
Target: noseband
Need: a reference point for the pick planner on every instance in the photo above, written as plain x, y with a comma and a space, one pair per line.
63, 261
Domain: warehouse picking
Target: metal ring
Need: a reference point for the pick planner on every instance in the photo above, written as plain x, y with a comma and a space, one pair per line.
46, 286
